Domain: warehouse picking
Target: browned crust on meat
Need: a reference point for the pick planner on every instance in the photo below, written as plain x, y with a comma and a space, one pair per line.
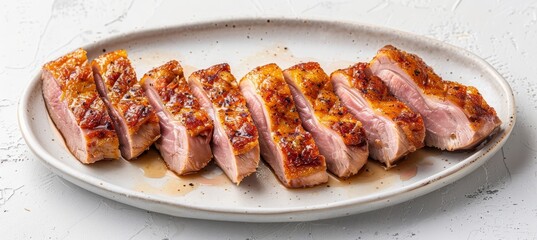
301, 155
230, 106
466, 97
318, 90
74, 75
381, 99
170, 83
124, 92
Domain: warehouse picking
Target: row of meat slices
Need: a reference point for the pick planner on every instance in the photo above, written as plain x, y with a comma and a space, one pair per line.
301, 121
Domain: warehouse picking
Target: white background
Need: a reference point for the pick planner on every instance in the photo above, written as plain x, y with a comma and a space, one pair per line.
497, 201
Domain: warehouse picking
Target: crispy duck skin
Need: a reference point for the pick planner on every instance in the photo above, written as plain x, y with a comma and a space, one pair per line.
185, 127
456, 116
134, 118
285, 145
235, 142
393, 130
77, 111
338, 134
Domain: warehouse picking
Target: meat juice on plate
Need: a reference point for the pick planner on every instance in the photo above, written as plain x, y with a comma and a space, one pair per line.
373, 177
152, 165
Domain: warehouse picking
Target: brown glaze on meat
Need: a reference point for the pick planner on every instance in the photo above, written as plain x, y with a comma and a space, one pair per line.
298, 145
76, 80
134, 118
299, 157
456, 116
337, 133
75, 107
317, 88
174, 92
380, 99
465, 97
234, 143
222, 90
185, 127
124, 91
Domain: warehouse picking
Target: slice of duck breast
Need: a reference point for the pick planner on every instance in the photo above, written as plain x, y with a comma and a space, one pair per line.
76, 109
392, 129
338, 134
185, 127
134, 119
235, 142
285, 145
456, 116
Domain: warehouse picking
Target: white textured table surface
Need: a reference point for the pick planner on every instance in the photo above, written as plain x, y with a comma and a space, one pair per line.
497, 201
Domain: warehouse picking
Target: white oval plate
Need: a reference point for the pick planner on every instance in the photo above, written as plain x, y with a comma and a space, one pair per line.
245, 44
